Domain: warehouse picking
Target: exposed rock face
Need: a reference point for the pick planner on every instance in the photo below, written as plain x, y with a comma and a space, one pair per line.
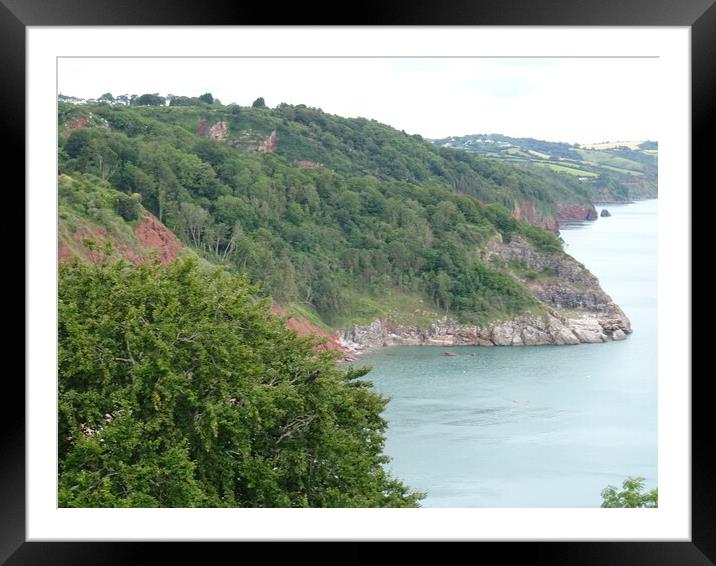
153, 235
152, 238
575, 310
270, 144
92, 121
203, 126
303, 164
216, 131
525, 210
605, 213
576, 212
74, 124
304, 327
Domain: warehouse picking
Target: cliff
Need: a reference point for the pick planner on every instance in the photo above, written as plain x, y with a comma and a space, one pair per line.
573, 309
526, 210
344, 221
150, 237
303, 327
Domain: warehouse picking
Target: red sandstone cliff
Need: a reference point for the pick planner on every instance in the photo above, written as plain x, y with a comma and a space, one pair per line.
152, 237
525, 210
304, 327
576, 212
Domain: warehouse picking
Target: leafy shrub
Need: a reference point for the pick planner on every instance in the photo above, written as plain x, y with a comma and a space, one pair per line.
128, 207
631, 495
178, 388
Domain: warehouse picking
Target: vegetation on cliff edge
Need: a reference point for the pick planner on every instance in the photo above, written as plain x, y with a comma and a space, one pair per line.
378, 213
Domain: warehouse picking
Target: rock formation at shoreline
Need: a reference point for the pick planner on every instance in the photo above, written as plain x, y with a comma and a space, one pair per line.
573, 309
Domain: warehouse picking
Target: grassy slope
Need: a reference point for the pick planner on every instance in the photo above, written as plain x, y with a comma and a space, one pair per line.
616, 173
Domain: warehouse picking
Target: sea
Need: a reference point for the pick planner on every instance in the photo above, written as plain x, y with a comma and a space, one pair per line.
539, 426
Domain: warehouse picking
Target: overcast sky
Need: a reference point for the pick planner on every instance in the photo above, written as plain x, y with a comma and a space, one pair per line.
570, 100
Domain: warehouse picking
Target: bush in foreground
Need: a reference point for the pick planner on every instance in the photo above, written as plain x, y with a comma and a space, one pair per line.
177, 388
631, 495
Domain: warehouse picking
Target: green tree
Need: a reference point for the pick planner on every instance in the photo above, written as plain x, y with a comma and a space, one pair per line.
180, 101
128, 207
632, 495
178, 388
207, 97
149, 100
259, 103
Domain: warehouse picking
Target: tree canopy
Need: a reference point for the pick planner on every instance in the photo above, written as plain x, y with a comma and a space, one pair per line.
207, 97
149, 100
178, 388
631, 495
374, 214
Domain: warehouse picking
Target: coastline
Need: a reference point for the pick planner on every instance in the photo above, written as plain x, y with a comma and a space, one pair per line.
549, 329
575, 311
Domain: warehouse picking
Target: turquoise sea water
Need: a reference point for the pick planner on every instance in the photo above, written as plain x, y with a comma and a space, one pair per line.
544, 426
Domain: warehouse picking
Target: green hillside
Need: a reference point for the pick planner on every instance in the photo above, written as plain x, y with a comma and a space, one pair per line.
611, 174
349, 219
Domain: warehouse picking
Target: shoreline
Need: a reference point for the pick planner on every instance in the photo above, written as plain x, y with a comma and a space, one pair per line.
550, 329
576, 311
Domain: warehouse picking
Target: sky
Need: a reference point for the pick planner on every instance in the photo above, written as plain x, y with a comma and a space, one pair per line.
574, 100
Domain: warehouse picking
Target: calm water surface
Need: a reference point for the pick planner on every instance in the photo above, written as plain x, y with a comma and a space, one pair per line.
544, 426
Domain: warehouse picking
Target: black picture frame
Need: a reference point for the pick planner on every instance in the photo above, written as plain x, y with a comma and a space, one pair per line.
700, 15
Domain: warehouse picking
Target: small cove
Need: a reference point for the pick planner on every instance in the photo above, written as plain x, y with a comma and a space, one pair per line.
543, 426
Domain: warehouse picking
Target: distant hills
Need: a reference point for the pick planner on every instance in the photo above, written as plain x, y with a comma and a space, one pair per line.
619, 171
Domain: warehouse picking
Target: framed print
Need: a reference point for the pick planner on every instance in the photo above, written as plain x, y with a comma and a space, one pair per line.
417, 177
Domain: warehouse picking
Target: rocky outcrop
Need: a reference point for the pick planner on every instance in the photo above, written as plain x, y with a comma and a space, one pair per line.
75, 124
217, 131
566, 212
91, 120
525, 210
203, 127
304, 327
270, 144
153, 235
551, 327
618, 334
574, 309
605, 213
152, 238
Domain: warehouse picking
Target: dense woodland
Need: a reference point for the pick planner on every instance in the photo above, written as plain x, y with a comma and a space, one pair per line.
379, 213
